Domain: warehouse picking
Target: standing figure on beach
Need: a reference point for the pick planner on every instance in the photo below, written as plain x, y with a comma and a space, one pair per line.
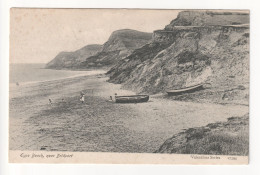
82, 99
50, 101
111, 98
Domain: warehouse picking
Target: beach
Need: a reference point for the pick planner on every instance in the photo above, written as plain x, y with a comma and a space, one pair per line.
99, 125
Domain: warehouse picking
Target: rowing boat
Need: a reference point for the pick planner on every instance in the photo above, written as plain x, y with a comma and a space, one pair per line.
132, 99
185, 90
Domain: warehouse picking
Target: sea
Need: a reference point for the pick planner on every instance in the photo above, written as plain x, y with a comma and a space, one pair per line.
34, 73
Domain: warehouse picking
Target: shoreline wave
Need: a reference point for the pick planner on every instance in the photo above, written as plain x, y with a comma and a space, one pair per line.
87, 73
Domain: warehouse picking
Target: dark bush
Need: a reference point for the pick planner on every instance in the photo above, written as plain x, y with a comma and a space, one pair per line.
188, 56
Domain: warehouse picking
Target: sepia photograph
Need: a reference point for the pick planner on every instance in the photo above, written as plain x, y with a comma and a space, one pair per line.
129, 86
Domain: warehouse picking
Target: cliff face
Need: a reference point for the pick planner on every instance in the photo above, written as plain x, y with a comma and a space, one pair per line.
208, 18
120, 44
187, 55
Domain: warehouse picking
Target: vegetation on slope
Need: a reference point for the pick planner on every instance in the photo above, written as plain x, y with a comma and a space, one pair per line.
222, 138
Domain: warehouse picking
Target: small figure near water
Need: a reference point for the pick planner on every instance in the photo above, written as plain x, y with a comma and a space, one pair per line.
82, 98
50, 101
111, 98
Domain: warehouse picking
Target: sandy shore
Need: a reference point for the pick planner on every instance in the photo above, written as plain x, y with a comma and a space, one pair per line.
98, 124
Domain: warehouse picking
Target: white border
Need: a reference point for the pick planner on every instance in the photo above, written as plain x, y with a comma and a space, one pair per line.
44, 169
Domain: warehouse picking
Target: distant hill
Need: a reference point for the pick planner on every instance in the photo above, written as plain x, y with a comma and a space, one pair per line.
120, 44
73, 59
126, 39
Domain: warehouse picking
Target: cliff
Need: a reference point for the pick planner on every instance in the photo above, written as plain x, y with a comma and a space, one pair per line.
183, 55
208, 18
120, 44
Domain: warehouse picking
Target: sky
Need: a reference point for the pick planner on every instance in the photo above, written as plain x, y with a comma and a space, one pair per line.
38, 35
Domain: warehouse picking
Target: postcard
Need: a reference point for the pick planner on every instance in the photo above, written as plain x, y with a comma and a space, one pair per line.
129, 86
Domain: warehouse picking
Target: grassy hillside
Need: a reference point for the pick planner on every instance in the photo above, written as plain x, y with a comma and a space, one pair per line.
222, 138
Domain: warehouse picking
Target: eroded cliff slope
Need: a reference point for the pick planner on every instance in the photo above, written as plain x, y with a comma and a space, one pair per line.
184, 55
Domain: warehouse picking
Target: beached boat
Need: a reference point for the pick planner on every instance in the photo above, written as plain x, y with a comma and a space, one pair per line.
185, 90
132, 99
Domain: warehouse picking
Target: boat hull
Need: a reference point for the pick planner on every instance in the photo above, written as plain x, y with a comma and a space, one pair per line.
185, 90
132, 99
